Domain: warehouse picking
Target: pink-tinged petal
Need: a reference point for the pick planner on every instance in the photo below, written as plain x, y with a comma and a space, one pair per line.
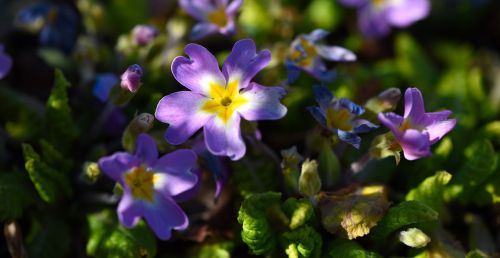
181, 110
414, 104
224, 139
115, 165
145, 149
129, 210
164, 215
198, 71
197, 9
172, 184
263, 103
5, 63
202, 29
353, 3
391, 121
244, 62
372, 23
415, 144
233, 7
404, 13
439, 129
336, 54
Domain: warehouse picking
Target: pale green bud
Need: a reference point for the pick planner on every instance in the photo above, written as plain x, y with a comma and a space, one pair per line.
140, 124
414, 237
91, 172
309, 181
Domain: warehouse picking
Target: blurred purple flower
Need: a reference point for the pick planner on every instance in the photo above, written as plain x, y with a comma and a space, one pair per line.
306, 54
337, 116
103, 85
213, 16
218, 100
417, 130
5, 63
143, 34
131, 78
151, 185
375, 17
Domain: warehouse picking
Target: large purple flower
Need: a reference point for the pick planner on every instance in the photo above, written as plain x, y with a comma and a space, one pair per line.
376, 17
337, 116
213, 16
151, 185
218, 100
306, 54
5, 63
417, 130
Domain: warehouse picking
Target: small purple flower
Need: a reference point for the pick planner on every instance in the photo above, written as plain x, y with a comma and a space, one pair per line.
151, 185
143, 34
131, 78
375, 17
213, 16
337, 116
218, 100
417, 130
5, 63
103, 85
306, 54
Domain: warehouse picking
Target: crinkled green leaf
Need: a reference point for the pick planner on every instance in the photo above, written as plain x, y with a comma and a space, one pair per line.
300, 211
221, 249
49, 182
385, 145
107, 238
404, 214
431, 190
303, 242
60, 129
352, 212
49, 237
255, 175
343, 248
16, 193
257, 230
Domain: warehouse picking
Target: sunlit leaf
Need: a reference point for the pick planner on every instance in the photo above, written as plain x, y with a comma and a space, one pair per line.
303, 242
299, 211
431, 190
349, 249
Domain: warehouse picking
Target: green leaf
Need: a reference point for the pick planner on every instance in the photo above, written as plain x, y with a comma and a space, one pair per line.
16, 193
49, 238
110, 239
49, 183
404, 214
257, 230
431, 190
349, 249
221, 249
480, 236
328, 166
256, 174
352, 212
303, 242
54, 157
60, 129
476, 254
300, 211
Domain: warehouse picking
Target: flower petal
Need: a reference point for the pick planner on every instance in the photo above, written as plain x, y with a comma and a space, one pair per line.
293, 71
179, 161
404, 13
391, 121
145, 149
319, 115
414, 104
318, 70
244, 62
334, 53
202, 29
439, 129
263, 103
433, 117
363, 126
5, 63
315, 35
323, 96
171, 184
129, 210
353, 3
233, 7
115, 165
165, 215
351, 106
350, 138
415, 144
197, 9
102, 86
181, 110
224, 139
372, 23
198, 71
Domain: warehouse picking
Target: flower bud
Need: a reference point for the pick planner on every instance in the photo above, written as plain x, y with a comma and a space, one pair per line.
131, 78
309, 181
140, 124
91, 172
143, 34
414, 237
290, 167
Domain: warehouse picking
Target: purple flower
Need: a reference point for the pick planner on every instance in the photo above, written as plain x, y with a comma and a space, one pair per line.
143, 34
5, 63
103, 85
218, 100
151, 185
131, 78
416, 131
306, 54
213, 16
375, 17
337, 116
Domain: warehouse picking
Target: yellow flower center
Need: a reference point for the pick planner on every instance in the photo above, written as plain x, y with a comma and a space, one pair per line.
223, 100
141, 183
405, 125
298, 56
339, 119
378, 3
218, 17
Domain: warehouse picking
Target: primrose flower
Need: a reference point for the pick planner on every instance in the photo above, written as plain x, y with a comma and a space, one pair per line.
5, 63
306, 54
131, 78
213, 16
218, 100
143, 34
337, 116
417, 130
151, 185
375, 17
